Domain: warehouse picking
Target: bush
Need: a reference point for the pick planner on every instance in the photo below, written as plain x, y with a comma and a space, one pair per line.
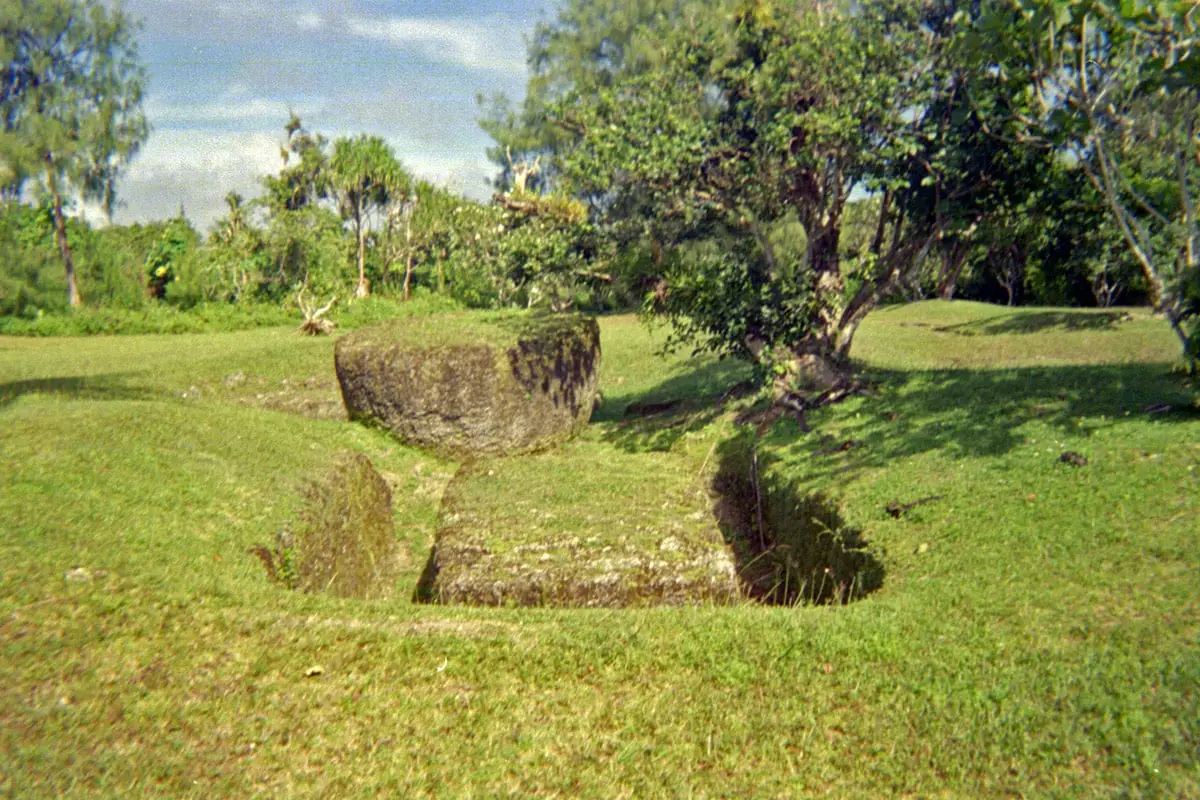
204, 318
111, 263
373, 309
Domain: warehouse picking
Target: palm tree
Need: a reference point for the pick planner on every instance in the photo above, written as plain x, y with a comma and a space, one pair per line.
365, 174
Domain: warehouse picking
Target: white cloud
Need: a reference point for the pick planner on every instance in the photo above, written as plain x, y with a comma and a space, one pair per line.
465, 43
310, 21
197, 169
218, 111
466, 174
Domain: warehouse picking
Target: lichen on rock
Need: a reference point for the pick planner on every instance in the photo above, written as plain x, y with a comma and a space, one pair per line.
473, 384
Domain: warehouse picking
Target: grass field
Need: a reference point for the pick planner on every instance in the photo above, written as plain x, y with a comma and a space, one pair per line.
1036, 632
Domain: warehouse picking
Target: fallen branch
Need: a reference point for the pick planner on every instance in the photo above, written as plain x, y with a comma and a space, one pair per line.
897, 509
313, 324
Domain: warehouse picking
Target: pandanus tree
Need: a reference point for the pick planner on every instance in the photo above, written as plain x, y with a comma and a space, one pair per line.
366, 178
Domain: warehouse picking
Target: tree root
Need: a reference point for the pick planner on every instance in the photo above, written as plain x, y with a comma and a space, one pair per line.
795, 404
314, 323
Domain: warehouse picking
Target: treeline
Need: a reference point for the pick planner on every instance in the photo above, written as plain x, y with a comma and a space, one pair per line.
762, 173
789, 165
341, 218
1058, 247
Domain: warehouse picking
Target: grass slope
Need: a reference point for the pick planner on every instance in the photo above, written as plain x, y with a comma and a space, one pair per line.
1036, 632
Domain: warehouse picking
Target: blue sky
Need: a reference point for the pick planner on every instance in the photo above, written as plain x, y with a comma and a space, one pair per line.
224, 73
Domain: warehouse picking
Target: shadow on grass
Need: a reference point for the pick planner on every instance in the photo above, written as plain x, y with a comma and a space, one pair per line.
426, 590
1037, 322
975, 413
688, 401
690, 384
790, 546
97, 387
966, 412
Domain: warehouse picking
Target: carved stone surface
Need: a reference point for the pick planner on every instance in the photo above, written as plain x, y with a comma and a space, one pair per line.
468, 385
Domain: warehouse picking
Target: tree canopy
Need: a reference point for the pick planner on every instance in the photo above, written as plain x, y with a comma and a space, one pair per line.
71, 89
768, 113
366, 177
1116, 85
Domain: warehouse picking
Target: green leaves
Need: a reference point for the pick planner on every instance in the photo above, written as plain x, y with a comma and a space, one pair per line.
1118, 89
768, 121
71, 89
365, 169
70, 104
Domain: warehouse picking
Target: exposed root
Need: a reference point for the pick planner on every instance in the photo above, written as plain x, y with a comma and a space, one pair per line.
796, 403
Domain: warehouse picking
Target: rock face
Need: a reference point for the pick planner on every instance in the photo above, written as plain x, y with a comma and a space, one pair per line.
560, 529
344, 542
470, 384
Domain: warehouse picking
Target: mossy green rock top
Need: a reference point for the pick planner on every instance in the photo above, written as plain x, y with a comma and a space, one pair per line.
473, 384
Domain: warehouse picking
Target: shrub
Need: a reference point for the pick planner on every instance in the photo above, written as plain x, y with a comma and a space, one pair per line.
204, 318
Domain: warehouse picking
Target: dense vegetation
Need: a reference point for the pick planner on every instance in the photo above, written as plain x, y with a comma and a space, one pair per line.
728, 141
990, 587
761, 173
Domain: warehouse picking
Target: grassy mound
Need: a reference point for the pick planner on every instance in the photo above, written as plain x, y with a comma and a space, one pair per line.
578, 527
473, 384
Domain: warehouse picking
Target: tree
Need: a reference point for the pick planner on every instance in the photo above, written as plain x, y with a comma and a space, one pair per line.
365, 175
71, 92
304, 179
775, 113
987, 184
586, 48
177, 241
1116, 84
398, 244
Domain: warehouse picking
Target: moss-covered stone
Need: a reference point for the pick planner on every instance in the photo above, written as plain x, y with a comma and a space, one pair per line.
580, 527
345, 542
473, 384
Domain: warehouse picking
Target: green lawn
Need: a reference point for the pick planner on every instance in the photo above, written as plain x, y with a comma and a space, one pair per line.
1036, 632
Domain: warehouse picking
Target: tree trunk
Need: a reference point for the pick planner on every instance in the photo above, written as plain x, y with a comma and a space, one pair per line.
809, 374
60, 237
363, 289
408, 257
829, 286
952, 268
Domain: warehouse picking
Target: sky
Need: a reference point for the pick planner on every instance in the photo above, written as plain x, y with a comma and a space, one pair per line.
223, 75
